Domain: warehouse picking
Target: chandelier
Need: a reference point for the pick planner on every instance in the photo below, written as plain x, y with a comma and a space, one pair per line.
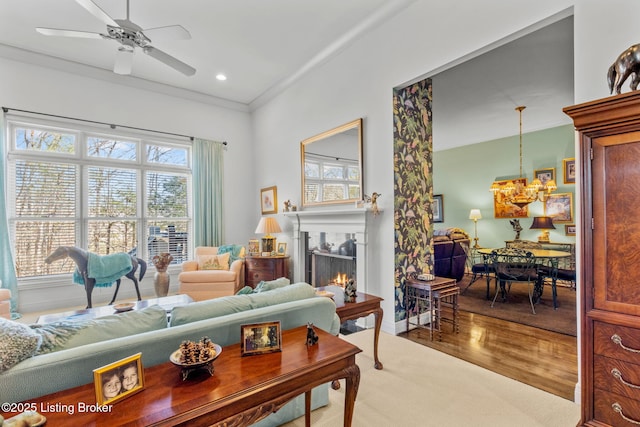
516, 192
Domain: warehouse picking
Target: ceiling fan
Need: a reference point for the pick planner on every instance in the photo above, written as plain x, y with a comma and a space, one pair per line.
130, 36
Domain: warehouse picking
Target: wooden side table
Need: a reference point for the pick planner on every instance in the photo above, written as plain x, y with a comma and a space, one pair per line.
432, 295
259, 268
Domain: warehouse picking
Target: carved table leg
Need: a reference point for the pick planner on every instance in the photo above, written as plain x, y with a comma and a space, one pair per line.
378, 318
352, 382
307, 408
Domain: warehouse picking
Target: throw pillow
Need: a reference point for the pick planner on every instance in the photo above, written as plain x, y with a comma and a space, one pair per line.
245, 290
268, 285
17, 342
236, 251
214, 262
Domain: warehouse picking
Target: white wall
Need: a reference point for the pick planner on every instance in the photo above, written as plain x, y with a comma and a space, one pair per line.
34, 88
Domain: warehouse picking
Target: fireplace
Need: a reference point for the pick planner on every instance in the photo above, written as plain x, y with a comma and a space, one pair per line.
346, 229
331, 258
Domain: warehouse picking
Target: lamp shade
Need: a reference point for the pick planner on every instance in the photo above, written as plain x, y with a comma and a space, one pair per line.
475, 214
542, 223
268, 225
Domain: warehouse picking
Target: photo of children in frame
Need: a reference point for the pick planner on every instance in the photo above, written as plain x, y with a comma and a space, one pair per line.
119, 379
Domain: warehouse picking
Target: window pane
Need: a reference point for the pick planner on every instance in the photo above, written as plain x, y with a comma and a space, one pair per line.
353, 173
354, 192
44, 189
41, 140
169, 236
112, 236
311, 170
167, 155
35, 240
167, 195
111, 148
312, 192
112, 192
333, 192
330, 171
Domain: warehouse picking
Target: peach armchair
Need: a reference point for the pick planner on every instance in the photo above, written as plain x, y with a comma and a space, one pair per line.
213, 274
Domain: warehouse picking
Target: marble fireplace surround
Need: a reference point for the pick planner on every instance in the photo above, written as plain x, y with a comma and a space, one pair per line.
354, 220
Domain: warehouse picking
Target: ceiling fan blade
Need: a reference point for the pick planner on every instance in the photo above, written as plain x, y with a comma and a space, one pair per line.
169, 60
124, 61
171, 32
68, 33
93, 9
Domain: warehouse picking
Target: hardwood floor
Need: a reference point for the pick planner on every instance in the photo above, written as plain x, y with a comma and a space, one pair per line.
543, 359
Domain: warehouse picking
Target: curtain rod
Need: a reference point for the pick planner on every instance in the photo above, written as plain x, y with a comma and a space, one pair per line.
111, 125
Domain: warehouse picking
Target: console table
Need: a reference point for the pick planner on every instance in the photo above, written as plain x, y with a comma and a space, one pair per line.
242, 390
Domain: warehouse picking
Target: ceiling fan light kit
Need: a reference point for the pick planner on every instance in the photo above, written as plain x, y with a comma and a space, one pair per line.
130, 36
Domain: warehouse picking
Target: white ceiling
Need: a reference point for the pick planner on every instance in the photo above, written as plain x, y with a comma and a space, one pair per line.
262, 45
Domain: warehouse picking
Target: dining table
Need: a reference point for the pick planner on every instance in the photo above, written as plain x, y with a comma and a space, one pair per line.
545, 257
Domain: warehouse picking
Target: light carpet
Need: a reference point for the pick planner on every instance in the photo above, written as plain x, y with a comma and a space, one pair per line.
423, 387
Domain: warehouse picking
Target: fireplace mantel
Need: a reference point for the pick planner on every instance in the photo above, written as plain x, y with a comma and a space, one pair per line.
354, 220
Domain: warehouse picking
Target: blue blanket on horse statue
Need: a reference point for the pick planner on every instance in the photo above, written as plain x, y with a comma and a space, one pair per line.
105, 269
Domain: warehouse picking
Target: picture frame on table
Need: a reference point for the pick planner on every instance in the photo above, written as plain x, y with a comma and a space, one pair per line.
545, 175
260, 338
282, 249
437, 207
570, 229
254, 247
559, 207
569, 170
118, 380
269, 200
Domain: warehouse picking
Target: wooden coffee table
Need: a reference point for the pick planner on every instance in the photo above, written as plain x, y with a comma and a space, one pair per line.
242, 390
364, 305
91, 313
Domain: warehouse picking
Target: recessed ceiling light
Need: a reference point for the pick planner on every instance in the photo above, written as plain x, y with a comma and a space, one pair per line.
221, 77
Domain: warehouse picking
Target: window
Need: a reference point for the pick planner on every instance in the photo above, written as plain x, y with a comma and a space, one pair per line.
330, 180
105, 192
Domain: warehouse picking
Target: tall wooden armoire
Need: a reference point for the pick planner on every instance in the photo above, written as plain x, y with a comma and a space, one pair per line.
609, 132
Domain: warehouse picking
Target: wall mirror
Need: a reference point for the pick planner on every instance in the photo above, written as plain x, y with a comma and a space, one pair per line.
331, 164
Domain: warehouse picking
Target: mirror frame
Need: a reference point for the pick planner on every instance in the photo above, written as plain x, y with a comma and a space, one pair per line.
355, 124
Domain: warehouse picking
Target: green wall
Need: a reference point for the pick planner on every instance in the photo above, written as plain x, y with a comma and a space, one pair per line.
463, 176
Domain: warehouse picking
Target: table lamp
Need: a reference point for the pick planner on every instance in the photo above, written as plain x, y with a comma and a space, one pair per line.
544, 223
268, 225
475, 215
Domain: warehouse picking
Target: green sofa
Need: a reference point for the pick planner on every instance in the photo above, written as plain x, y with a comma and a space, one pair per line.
72, 364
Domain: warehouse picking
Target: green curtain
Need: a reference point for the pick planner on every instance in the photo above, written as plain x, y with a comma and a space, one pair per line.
208, 185
7, 267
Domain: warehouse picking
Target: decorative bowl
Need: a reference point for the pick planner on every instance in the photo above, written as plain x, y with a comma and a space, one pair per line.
187, 368
124, 306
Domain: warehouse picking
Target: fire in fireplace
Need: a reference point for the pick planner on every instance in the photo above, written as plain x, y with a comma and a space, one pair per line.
333, 259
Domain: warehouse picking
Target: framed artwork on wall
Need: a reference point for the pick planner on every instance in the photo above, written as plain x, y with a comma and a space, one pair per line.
569, 170
559, 207
545, 175
570, 230
504, 209
269, 200
437, 207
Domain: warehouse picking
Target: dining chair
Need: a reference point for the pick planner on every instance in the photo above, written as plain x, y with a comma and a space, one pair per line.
479, 270
514, 265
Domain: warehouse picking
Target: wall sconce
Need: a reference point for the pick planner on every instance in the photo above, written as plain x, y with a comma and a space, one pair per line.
475, 215
268, 225
544, 223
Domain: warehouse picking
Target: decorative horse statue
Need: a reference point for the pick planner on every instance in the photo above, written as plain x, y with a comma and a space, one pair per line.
626, 64
91, 275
